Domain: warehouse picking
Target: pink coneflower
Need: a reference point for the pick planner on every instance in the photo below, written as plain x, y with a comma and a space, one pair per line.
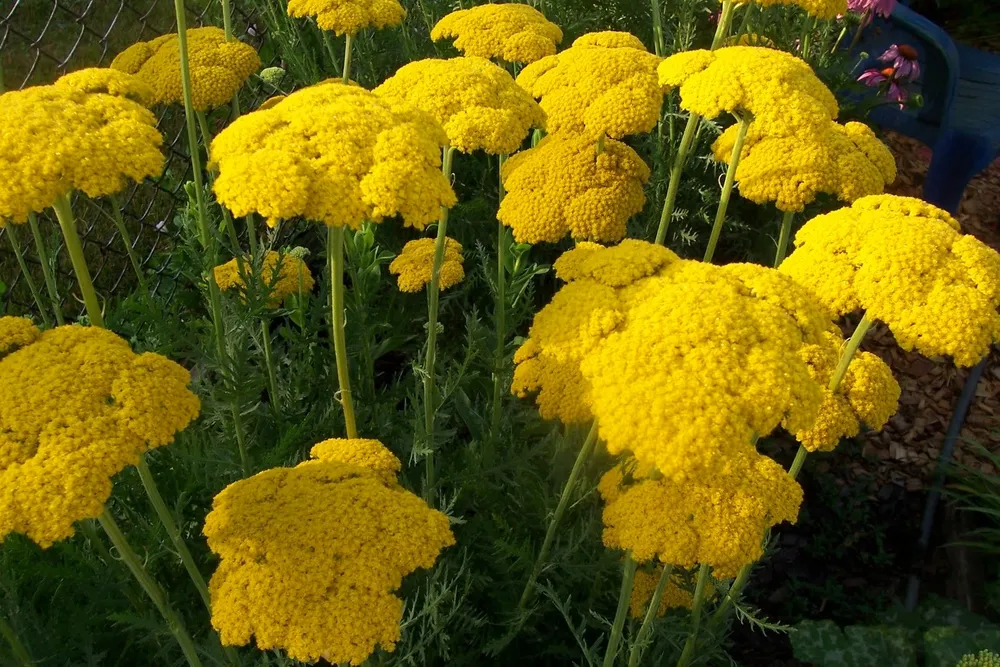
903, 59
879, 78
872, 7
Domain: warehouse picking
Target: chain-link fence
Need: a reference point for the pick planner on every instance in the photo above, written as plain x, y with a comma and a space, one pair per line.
43, 39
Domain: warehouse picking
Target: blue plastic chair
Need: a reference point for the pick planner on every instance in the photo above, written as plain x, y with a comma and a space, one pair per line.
960, 118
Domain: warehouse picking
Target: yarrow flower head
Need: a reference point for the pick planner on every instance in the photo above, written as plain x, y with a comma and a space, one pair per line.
312, 556
781, 91
719, 519
605, 84
563, 186
415, 265
644, 585
16, 332
336, 154
107, 81
77, 406
511, 32
86, 132
906, 264
847, 161
349, 16
218, 67
821, 9
283, 274
475, 101
868, 394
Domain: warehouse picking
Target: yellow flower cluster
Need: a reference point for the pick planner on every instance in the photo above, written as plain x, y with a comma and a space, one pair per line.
292, 276
936, 289
868, 394
848, 161
644, 585
512, 32
349, 16
562, 186
218, 67
821, 9
475, 101
311, 556
336, 154
605, 84
416, 263
718, 520
76, 407
616, 266
16, 332
73, 136
984, 658
781, 91
107, 81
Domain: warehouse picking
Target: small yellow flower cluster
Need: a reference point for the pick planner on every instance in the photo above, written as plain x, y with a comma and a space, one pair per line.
218, 67
82, 133
292, 277
605, 84
848, 161
336, 154
821, 9
868, 394
984, 658
512, 32
562, 186
311, 556
416, 263
349, 16
76, 407
644, 585
781, 91
475, 101
107, 81
16, 332
718, 519
936, 289
617, 266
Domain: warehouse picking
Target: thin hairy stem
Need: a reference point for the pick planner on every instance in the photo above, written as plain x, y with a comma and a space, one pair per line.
335, 259
501, 318
727, 187
784, 237
699, 598
15, 244
43, 259
647, 622
624, 597
67, 223
687, 139
116, 213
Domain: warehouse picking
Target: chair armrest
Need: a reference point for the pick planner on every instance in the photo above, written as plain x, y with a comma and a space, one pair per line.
941, 69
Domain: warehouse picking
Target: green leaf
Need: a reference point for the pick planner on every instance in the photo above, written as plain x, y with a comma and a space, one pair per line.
945, 645
823, 644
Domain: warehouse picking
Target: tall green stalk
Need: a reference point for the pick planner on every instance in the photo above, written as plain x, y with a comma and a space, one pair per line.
116, 214
335, 259
430, 360
346, 73
43, 259
64, 212
658, 44
651, 612
15, 244
501, 318
152, 588
550, 534
727, 187
699, 598
624, 597
784, 237
208, 241
20, 652
272, 375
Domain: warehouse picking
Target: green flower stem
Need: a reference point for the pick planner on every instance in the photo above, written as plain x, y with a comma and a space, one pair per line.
272, 376
208, 241
727, 187
550, 534
252, 235
786, 234
430, 360
675, 176
20, 652
850, 349
64, 212
227, 20
840, 38
153, 589
346, 74
335, 259
658, 44
15, 243
43, 259
501, 317
722, 29
699, 598
624, 597
647, 622
116, 212
734, 592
